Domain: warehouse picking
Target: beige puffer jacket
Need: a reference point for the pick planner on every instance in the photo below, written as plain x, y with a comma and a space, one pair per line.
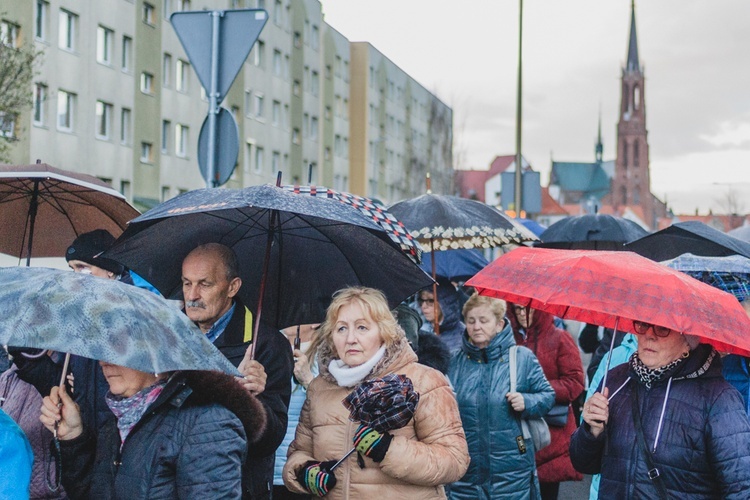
429, 452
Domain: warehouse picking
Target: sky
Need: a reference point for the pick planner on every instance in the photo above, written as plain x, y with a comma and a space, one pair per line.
695, 56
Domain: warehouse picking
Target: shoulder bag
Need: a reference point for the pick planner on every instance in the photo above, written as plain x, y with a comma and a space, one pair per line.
535, 429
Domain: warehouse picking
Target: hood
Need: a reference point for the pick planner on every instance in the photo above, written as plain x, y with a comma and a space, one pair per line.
450, 304
541, 322
220, 388
499, 345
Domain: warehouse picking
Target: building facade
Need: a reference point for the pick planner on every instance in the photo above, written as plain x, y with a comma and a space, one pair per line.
116, 97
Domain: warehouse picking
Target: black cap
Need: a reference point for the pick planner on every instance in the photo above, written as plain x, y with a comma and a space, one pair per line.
88, 246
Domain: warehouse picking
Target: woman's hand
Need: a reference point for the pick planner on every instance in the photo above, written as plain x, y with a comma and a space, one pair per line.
515, 400
302, 371
59, 407
596, 412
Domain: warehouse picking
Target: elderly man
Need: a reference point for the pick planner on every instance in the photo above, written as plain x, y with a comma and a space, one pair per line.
210, 282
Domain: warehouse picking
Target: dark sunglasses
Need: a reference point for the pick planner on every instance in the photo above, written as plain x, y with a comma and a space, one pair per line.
428, 301
641, 328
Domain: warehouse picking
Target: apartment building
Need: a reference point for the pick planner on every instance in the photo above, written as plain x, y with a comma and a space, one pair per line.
116, 97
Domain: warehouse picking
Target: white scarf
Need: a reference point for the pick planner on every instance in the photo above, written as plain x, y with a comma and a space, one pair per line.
349, 376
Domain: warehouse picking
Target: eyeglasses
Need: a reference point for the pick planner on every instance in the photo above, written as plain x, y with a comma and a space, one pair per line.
641, 328
427, 301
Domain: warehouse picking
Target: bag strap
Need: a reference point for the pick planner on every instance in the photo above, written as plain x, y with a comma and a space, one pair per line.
512, 362
653, 473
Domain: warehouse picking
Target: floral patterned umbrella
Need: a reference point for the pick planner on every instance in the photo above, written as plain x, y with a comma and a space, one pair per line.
101, 319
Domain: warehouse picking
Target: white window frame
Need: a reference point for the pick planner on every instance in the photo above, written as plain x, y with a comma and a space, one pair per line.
125, 124
147, 83
66, 102
105, 41
127, 53
166, 127
182, 76
148, 14
9, 34
41, 20
103, 120
8, 125
166, 70
40, 104
67, 30
181, 140
259, 159
258, 105
147, 152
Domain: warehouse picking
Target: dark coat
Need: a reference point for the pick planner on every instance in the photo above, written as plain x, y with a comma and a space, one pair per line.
737, 373
190, 443
481, 379
704, 445
274, 354
558, 354
433, 352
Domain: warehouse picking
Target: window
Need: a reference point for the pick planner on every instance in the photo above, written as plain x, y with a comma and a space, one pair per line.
181, 140
277, 63
277, 12
167, 5
258, 105
258, 54
65, 109
182, 5
296, 88
7, 125
67, 30
261, 4
314, 83
103, 120
127, 50
328, 113
149, 14
258, 159
104, 40
125, 126
297, 40
125, 189
147, 83
327, 156
165, 126
166, 70
276, 113
328, 72
235, 110
40, 21
147, 152
314, 37
314, 128
182, 75
165, 193
275, 162
306, 125
9, 34
40, 98
295, 136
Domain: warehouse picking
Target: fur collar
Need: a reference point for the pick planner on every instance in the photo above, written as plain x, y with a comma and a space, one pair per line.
396, 357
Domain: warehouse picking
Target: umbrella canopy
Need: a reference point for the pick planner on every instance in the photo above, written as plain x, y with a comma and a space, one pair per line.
455, 265
101, 319
43, 209
613, 289
741, 233
371, 209
442, 222
531, 225
591, 232
730, 274
688, 237
384, 404
318, 247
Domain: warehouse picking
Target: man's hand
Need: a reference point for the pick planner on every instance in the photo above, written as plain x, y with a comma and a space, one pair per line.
254, 375
59, 408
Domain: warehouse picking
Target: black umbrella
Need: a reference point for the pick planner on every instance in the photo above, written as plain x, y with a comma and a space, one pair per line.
590, 232
43, 209
312, 246
384, 404
688, 237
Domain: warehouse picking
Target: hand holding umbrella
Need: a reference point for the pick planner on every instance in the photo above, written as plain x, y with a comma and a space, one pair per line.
380, 405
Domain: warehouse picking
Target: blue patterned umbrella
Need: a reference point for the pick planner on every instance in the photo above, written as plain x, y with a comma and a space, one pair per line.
730, 274
101, 319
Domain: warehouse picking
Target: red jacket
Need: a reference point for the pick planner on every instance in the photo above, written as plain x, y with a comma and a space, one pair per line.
561, 362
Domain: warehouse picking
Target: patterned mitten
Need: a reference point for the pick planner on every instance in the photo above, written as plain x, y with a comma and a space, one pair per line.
317, 478
372, 443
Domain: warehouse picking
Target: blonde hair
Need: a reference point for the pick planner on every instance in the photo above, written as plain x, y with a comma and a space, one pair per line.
497, 306
372, 302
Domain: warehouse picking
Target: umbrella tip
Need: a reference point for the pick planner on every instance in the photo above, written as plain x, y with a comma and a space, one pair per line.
429, 183
278, 179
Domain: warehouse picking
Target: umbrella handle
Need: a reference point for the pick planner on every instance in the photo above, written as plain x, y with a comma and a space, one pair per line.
342, 459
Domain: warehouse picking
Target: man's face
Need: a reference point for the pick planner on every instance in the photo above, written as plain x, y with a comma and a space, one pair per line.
208, 294
79, 266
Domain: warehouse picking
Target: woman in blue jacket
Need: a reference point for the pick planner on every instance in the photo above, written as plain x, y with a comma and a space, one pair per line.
502, 462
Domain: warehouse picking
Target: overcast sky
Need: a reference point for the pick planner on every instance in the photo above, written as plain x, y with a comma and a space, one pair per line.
695, 55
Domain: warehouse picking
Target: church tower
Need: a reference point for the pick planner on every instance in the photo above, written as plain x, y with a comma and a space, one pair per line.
631, 184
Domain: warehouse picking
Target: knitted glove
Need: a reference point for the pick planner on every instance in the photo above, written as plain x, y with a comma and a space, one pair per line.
316, 477
372, 443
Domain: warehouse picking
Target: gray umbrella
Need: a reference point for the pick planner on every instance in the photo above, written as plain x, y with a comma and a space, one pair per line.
101, 319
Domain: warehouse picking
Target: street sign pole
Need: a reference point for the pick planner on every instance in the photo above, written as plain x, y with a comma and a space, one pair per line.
213, 99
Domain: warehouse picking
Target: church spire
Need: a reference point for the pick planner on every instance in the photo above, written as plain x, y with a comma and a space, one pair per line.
632, 65
599, 151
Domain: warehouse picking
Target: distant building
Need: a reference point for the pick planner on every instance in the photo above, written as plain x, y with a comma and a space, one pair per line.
116, 97
486, 185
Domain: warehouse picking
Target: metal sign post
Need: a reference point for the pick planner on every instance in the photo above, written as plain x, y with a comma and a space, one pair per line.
213, 95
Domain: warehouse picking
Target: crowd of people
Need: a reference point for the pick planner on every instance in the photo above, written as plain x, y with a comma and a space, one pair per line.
477, 370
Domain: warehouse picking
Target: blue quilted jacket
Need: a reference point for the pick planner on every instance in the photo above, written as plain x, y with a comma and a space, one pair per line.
703, 449
481, 379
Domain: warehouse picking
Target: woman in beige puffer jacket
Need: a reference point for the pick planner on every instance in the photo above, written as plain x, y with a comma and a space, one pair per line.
427, 453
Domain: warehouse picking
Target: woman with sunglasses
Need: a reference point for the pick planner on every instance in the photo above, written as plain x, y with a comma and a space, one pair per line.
667, 424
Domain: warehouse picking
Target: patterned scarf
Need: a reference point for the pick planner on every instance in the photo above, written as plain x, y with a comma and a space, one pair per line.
648, 376
129, 411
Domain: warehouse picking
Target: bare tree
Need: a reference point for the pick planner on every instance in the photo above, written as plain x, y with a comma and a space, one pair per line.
731, 202
17, 72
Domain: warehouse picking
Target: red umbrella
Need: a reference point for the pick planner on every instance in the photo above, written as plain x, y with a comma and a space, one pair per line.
613, 289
